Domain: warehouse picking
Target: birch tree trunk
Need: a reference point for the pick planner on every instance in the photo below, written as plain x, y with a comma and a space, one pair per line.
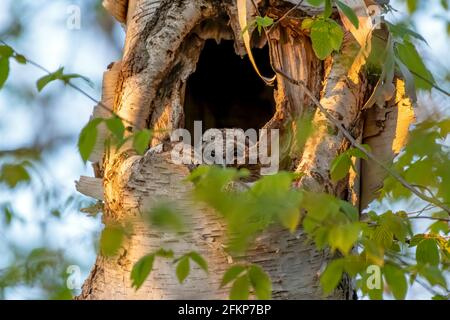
147, 88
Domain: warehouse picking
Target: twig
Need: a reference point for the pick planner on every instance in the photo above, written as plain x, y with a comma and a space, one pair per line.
427, 287
421, 211
73, 86
352, 140
434, 85
430, 218
35, 149
284, 16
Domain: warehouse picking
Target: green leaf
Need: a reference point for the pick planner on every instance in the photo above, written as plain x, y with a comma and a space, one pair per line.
349, 210
354, 265
438, 296
166, 217
67, 77
231, 274
163, 253
316, 2
14, 174
400, 30
433, 275
6, 51
349, 13
290, 219
427, 252
344, 236
116, 127
340, 167
331, 276
383, 236
263, 22
304, 129
408, 54
183, 269
4, 71
335, 34
326, 36
58, 75
210, 182
396, 280
88, 138
396, 225
9, 215
327, 12
416, 239
354, 152
412, 5
20, 59
45, 80
199, 260
410, 84
141, 141
307, 23
241, 288
266, 21
141, 270
440, 226
111, 240
260, 282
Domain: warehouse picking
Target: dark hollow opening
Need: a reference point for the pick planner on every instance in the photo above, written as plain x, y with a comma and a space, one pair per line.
226, 92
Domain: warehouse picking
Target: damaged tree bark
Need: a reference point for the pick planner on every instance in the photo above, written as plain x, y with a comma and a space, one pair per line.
147, 88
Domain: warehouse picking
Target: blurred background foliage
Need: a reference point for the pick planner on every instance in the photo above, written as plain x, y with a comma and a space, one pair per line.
42, 230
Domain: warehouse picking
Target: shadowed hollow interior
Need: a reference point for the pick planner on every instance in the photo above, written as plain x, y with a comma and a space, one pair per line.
226, 92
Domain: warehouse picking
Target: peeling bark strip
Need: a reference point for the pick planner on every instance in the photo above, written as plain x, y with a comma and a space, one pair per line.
386, 132
90, 187
117, 8
103, 111
163, 44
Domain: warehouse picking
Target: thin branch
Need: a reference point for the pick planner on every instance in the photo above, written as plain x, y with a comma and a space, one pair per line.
352, 140
428, 207
72, 85
33, 151
427, 287
284, 16
430, 218
418, 186
431, 83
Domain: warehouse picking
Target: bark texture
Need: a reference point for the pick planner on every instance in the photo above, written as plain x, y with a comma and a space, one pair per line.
163, 44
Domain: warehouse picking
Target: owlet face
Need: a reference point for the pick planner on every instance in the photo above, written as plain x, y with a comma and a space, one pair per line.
222, 148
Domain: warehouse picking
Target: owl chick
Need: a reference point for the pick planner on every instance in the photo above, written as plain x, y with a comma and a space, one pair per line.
220, 147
